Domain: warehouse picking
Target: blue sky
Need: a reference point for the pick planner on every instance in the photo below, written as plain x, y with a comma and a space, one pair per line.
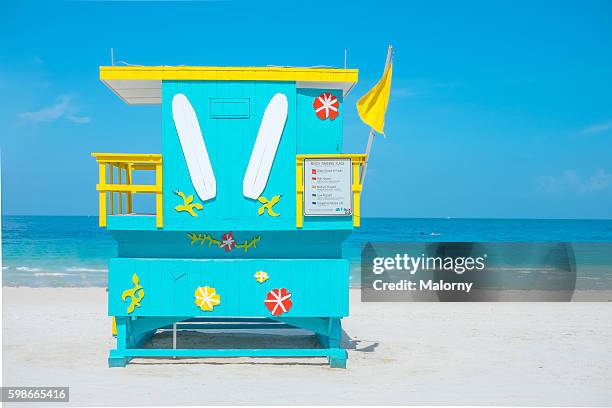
498, 109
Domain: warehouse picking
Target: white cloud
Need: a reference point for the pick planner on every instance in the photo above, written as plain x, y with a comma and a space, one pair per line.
569, 180
597, 128
402, 92
64, 108
78, 119
420, 87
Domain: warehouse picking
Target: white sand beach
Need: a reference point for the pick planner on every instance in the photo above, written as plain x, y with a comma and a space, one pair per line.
399, 353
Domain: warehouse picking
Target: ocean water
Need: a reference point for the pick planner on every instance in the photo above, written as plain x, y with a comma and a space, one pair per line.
74, 251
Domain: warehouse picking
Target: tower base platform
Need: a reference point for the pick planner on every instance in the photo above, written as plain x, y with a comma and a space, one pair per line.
134, 332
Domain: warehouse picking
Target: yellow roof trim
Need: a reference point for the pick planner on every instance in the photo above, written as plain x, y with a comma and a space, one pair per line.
229, 73
142, 85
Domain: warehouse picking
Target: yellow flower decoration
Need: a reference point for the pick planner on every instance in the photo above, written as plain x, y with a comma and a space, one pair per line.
206, 298
261, 276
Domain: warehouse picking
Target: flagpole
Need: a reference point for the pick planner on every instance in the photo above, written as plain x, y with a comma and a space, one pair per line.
372, 133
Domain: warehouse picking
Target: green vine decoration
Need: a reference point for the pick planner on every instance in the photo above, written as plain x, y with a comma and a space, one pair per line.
249, 244
188, 204
227, 242
203, 238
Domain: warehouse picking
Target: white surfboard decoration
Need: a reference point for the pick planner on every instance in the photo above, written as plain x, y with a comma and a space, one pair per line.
266, 144
194, 149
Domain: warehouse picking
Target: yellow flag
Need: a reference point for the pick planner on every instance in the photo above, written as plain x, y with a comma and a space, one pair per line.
373, 105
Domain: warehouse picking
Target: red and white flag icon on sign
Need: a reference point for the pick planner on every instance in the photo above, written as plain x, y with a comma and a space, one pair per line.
314, 171
326, 106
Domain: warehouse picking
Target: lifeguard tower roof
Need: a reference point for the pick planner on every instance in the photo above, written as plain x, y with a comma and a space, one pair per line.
141, 85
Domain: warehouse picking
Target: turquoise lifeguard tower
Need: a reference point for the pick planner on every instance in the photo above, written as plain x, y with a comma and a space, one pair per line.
253, 199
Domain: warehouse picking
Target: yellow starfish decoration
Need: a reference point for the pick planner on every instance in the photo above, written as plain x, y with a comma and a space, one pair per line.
135, 294
267, 205
187, 204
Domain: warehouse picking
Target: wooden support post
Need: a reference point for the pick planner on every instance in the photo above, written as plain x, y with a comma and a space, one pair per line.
102, 195
334, 339
335, 332
110, 182
159, 215
128, 181
119, 178
299, 193
117, 357
123, 334
356, 194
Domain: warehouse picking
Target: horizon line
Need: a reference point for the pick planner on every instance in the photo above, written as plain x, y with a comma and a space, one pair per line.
393, 218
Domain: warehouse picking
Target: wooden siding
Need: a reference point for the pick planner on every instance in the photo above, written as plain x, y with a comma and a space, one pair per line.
229, 142
319, 287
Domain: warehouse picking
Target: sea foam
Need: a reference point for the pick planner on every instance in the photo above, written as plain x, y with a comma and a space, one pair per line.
28, 269
79, 269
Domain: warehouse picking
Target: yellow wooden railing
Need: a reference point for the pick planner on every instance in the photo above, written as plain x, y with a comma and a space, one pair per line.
127, 164
357, 161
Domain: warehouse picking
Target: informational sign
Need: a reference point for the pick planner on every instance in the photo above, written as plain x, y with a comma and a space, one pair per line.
327, 187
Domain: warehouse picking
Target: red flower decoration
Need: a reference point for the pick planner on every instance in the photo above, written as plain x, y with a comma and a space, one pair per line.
326, 106
228, 242
278, 301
